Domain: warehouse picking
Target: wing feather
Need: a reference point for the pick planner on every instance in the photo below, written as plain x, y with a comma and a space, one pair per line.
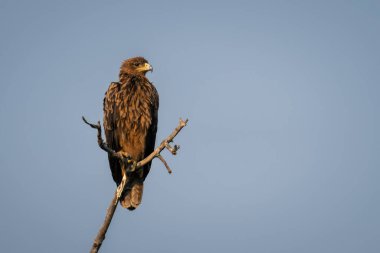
151, 134
111, 130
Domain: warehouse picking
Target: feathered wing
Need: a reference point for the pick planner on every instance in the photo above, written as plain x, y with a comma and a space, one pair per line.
110, 129
151, 134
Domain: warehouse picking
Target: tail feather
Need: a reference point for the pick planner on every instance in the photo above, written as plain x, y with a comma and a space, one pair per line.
132, 197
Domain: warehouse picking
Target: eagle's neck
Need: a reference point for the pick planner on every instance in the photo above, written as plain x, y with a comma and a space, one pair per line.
125, 77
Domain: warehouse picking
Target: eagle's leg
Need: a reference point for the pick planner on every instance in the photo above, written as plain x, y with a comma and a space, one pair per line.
124, 155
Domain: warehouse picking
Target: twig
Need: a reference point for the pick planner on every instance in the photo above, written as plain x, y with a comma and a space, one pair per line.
156, 153
169, 139
172, 150
104, 145
165, 163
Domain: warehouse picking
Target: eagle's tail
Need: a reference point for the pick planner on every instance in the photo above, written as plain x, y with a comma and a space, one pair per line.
132, 197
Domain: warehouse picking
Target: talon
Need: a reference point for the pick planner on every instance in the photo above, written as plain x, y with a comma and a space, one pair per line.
124, 154
133, 166
126, 157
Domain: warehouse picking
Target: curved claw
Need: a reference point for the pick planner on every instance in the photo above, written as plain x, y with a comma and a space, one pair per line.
124, 154
132, 167
125, 157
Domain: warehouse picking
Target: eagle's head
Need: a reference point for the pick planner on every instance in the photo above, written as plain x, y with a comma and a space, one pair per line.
135, 66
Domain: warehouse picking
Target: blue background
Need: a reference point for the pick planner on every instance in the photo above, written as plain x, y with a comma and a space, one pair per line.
281, 153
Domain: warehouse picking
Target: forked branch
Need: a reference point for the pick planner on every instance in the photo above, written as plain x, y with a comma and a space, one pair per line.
135, 165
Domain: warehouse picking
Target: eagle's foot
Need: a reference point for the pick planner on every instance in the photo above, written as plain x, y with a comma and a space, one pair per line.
125, 156
132, 167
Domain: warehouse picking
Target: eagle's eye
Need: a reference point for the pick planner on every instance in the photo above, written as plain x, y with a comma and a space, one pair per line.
136, 64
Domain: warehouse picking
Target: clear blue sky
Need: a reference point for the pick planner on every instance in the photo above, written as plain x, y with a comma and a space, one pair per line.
281, 153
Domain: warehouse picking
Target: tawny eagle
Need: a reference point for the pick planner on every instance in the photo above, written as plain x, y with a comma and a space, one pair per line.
130, 124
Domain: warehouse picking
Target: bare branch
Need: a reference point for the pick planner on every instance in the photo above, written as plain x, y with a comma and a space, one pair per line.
169, 139
172, 150
103, 229
104, 145
156, 153
165, 163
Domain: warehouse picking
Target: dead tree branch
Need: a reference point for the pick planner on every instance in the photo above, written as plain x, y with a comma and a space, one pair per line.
165, 163
135, 165
104, 145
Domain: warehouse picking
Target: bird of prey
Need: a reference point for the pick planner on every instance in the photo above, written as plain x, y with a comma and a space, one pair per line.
130, 124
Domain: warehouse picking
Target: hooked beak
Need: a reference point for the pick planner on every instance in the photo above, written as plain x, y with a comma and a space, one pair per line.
147, 67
